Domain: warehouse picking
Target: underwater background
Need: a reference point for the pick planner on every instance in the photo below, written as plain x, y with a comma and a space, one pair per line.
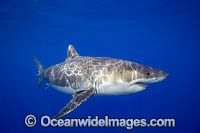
163, 34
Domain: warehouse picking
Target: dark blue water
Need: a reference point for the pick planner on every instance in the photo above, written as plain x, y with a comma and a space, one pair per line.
162, 34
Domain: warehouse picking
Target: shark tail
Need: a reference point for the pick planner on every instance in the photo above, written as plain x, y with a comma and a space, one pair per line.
40, 70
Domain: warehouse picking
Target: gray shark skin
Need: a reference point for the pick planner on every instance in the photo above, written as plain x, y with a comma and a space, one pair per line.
86, 76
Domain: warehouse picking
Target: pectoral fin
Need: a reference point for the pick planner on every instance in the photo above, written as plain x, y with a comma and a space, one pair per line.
78, 98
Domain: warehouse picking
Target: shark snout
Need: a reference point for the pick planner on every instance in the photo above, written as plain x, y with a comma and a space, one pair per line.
162, 75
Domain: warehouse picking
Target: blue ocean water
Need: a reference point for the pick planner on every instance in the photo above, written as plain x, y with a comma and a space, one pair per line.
162, 34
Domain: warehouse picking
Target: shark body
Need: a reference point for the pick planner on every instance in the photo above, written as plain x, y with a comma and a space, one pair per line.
86, 76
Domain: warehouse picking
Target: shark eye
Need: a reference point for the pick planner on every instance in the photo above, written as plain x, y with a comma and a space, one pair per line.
148, 74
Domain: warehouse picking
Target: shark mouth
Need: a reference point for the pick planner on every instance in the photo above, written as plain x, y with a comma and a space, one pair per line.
139, 84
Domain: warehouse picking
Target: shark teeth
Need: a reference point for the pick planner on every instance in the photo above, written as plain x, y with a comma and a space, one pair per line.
139, 84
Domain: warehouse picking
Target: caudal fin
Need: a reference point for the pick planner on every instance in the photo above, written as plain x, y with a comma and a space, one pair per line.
40, 70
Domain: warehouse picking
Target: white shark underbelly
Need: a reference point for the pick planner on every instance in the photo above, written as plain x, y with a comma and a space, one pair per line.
118, 89
66, 89
106, 89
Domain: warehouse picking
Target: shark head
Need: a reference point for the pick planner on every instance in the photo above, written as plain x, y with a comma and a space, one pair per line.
144, 75
137, 76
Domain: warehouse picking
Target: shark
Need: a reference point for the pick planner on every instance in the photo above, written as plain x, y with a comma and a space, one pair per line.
83, 77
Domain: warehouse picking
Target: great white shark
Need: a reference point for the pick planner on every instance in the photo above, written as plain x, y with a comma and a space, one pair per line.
84, 77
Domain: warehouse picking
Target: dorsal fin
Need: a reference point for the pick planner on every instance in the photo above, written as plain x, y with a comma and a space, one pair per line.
71, 52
